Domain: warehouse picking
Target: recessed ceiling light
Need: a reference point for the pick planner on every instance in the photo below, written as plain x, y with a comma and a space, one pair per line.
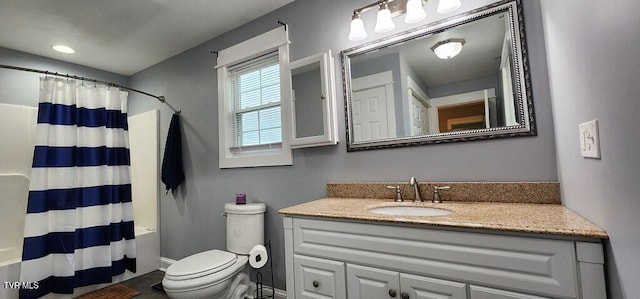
63, 49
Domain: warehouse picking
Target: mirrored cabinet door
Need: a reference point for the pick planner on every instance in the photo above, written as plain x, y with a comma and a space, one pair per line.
313, 101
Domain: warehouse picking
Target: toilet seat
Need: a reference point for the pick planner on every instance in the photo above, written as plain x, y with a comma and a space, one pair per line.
203, 270
201, 264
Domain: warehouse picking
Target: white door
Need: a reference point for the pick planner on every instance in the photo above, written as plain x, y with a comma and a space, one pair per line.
370, 121
373, 108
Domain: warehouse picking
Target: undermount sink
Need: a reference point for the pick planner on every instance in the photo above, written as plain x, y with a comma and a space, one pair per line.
410, 211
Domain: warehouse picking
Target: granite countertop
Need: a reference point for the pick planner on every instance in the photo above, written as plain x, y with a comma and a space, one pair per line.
549, 219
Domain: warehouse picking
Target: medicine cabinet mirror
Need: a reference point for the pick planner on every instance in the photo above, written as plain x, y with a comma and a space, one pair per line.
398, 92
313, 101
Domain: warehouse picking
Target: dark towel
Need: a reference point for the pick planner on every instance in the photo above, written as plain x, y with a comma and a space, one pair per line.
172, 172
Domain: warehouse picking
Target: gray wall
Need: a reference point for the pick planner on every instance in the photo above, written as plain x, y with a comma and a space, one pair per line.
21, 88
191, 221
465, 86
594, 72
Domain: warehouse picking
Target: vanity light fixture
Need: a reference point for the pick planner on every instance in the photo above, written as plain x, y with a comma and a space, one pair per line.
386, 10
357, 31
384, 23
390, 8
415, 12
448, 49
63, 49
447, 6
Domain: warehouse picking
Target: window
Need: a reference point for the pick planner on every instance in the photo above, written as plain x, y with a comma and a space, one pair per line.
255, 97
252, 99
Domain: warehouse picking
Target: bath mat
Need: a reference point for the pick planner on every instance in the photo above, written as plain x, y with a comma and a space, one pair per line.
116, 291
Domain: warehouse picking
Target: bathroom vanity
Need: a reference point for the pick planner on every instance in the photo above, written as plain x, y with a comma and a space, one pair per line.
337, 248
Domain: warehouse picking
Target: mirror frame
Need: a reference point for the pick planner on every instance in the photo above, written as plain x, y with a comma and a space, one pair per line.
328, 96
521, 69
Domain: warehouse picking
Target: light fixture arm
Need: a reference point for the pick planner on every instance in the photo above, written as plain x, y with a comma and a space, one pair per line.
371, 6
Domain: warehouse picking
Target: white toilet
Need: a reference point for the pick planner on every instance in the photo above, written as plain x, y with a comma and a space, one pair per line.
217, 273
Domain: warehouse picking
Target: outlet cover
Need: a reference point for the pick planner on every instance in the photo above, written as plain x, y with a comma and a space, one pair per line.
589, 140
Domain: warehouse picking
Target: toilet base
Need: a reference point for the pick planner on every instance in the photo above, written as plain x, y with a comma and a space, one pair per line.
236, 287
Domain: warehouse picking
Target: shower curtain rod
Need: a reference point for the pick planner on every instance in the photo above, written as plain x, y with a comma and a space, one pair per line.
159, 98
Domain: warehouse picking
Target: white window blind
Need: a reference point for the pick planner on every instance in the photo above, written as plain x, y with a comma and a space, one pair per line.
255, 98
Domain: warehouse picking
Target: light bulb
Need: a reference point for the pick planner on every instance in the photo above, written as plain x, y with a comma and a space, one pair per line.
64, 49
448, 49
357, 31
384, 23
447, 6
415, 12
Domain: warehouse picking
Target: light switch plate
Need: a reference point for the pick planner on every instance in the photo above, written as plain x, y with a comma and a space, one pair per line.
589, 139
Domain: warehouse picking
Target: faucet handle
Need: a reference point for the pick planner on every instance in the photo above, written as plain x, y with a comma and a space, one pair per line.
398, 194
436, 188
436, 194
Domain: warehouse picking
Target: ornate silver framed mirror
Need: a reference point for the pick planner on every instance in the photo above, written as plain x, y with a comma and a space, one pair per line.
460, 79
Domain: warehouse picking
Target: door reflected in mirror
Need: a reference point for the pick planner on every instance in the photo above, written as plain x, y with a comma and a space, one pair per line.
452, 81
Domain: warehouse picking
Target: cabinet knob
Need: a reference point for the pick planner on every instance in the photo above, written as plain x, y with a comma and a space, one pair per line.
404, 295
392, 293
316, 284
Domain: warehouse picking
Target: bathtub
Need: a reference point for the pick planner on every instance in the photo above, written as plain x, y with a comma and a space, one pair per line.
14, 198
14, 190
148, 260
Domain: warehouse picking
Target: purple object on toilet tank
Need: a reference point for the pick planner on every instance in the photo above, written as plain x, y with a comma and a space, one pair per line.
241, 198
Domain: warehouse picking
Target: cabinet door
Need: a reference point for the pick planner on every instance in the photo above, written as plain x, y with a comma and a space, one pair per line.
318, 278
371, 283
418, 287
487, 293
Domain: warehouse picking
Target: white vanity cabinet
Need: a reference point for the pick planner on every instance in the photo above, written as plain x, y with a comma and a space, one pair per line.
318, 278
332, 258
366, 282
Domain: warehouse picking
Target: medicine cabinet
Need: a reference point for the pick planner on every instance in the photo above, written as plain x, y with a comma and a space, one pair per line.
313, 101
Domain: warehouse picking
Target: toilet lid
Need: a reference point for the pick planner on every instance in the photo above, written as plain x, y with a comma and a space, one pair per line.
203, 263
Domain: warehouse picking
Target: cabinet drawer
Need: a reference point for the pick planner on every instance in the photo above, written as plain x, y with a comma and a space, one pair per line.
318, 278
517, 263
418, 287
488, 293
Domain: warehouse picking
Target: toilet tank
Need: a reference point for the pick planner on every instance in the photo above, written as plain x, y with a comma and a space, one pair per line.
245, 226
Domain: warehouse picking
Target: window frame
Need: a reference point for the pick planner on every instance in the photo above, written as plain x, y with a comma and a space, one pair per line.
230, 155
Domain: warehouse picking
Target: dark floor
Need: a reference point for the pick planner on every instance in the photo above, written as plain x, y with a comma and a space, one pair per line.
143, 285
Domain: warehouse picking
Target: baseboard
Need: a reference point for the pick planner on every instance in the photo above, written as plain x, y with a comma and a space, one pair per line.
165, 262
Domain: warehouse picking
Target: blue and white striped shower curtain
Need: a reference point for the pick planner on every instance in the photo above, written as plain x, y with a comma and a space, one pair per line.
79, 225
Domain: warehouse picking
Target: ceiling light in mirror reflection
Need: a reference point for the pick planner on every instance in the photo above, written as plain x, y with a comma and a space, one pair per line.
448, 49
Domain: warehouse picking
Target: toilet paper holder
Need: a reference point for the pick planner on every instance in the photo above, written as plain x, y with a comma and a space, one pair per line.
259, 286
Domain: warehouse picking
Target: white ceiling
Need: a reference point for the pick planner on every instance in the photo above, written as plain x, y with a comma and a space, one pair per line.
121, 36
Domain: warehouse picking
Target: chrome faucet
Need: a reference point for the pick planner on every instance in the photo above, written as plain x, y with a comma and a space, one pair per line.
414, 183
436, 194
